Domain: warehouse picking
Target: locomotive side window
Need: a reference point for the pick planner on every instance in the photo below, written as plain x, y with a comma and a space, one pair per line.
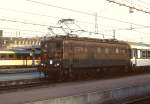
122, 51
78, 49
99, 50
112, 51
85, 49
117, 50
106, 50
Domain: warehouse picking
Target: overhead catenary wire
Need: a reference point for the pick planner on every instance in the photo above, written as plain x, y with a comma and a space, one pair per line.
31, 13
129, 6
108, 18
146, 3
21, 29
2, 19
37, 24
80, 21
90, 14
72, 10
90, 32
43, 15
52, 26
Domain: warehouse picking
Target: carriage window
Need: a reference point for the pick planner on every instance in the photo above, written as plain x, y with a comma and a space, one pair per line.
148, 54
134, 53
3, 56
11, 56
143, 54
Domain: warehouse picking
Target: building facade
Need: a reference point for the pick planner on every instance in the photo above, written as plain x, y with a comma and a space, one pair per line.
13, 42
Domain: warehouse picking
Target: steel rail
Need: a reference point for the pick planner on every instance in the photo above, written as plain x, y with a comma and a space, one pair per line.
25, 83
138, 100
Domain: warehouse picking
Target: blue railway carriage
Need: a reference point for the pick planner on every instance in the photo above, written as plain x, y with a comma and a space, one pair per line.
140, 54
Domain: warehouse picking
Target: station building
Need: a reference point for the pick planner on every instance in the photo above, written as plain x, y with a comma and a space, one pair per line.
18, 42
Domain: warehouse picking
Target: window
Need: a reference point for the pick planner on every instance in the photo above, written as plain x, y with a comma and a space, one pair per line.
148, 54
134, 53
85, 49
3, 56
78, 49
117, 50
123, 51
11, 56
99, 50
138, 53
58, 45
106, 50
143, 54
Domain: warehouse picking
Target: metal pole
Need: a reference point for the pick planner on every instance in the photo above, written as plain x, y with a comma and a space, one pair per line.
96, 25
114, 34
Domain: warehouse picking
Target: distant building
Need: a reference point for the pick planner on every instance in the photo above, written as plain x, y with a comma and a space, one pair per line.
13, 42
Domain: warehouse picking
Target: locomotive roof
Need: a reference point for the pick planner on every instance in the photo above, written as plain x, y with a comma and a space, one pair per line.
86, 39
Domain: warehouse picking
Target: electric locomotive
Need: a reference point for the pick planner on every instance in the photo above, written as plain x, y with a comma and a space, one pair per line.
73, 56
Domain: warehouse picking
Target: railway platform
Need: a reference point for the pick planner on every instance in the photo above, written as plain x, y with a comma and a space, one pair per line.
17, 70
87, 92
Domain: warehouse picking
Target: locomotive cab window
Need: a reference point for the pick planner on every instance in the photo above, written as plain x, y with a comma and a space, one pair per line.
58, 45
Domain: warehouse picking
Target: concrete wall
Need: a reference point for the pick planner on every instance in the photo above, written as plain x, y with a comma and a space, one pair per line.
99, 97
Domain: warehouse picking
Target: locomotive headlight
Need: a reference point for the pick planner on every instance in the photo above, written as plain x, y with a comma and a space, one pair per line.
56, 64
42, 64
50, 61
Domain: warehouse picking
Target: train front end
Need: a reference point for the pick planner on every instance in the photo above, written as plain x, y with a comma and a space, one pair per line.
51, 57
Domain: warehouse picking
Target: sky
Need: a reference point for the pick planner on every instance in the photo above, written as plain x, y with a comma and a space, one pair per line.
27, 18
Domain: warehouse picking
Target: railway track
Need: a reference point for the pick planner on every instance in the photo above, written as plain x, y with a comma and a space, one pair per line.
24, 83
141, 100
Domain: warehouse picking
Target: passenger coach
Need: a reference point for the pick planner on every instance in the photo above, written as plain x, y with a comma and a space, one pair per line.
18, 58
140, 54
